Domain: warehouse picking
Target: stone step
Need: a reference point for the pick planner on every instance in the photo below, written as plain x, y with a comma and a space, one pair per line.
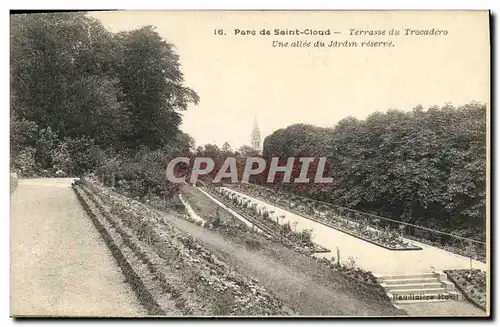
411, 276
391, 287
419, 291
415, 288
410, 281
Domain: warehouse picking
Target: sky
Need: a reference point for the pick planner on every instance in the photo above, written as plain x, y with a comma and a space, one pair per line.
239, 77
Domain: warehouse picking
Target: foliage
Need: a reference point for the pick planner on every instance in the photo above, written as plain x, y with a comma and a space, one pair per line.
87, 100
149, 75
426, 167
25, 162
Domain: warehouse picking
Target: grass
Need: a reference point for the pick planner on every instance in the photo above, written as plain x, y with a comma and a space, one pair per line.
304, 263
350, 279
207, 208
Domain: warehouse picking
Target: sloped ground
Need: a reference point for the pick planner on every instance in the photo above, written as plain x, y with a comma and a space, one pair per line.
59, 263
201, 265
60, 266
308, 287
376, 257
192, 281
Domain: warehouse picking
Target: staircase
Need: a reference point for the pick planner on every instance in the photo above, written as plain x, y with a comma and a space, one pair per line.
424, 287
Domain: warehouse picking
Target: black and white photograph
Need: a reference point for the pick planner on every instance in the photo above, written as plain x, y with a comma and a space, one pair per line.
250, 164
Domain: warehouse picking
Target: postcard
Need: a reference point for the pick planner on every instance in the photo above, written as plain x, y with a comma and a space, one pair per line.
250, 164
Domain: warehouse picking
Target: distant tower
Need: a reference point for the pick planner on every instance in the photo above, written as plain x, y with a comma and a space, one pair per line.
255, 137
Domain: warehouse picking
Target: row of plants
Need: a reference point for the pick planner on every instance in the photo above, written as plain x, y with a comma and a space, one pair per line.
205, 207
289, 237
199, 280
472, 283
300, 241
286, 235
476, 251
392, 231
382, 236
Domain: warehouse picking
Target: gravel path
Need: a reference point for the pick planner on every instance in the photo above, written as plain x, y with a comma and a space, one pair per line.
60, 266
372, 257
442, 309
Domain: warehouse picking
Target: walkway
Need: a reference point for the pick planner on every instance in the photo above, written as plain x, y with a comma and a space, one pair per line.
60, 266
442, 309
372, 257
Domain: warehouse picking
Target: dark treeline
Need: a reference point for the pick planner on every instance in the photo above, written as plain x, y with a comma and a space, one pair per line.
85, 100
426, 167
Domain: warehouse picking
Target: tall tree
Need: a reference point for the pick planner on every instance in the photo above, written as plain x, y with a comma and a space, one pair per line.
226, 149
60, 75
82, 95
152, 83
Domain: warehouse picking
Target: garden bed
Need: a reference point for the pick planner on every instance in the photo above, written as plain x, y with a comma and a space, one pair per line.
308, 208
387, 239
270, 227
198, 282
472, 284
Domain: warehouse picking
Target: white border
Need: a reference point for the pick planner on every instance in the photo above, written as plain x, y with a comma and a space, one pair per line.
178, 5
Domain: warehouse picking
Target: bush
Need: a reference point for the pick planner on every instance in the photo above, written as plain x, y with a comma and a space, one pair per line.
24, 162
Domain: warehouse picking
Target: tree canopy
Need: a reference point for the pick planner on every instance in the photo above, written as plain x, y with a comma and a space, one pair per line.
83, 97
426, 167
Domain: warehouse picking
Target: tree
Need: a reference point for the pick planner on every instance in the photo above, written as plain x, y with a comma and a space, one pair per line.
60, 63
93, 100
184, 143
247, 151
427, 167
149, 73
226, 149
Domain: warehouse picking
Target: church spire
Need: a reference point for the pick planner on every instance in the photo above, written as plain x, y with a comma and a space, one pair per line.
255, 137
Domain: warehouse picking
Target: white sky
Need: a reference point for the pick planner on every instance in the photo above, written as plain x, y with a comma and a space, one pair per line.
239, 77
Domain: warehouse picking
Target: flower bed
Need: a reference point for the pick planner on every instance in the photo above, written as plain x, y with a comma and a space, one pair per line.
387, 238
199, 282
13, 182
351, 271
472, 283
301, 241
475, 254
320, 212
347, 269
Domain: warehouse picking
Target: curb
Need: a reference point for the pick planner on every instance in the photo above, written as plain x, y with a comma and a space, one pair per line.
142, 293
